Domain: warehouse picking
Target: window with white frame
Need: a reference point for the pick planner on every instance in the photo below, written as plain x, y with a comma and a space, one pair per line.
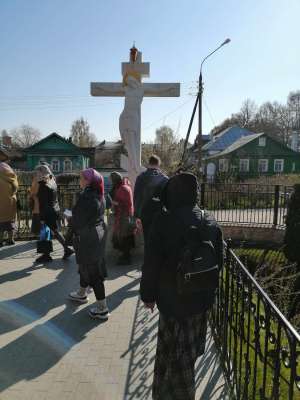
55, 165
263, 165
67, 165
278, 165
244, 165
223, 165
262, 141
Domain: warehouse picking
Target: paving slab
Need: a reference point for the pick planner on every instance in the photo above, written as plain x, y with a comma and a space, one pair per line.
51, 349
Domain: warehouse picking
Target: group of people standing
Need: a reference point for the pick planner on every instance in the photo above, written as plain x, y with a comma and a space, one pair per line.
167, 209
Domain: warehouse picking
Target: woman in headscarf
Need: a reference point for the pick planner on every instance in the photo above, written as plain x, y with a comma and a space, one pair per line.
182, 318
123, 228
89, 242
49, 208
8, 202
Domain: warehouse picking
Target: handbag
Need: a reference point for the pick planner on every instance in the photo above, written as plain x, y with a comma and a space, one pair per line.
44, 245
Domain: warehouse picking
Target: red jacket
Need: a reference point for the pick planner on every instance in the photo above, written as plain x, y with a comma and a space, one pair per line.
123, 196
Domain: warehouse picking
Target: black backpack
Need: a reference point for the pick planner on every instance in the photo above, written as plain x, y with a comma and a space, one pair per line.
197, 269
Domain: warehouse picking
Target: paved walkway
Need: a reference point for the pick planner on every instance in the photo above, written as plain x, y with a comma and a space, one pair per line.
51, 349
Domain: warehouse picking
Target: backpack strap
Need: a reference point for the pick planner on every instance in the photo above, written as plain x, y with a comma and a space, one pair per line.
187, 225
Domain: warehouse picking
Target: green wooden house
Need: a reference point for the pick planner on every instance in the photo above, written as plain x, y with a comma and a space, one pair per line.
61, 154
252, 156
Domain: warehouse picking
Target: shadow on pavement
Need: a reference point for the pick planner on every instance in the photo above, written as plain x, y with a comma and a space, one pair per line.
209, 375
42, 343
19, 247
142, 353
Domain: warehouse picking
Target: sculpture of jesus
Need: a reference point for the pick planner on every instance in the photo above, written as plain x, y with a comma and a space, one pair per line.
130, 119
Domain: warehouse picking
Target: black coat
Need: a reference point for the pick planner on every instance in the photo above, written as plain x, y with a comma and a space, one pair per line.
148, 184
89, 229
165, 243
48, 204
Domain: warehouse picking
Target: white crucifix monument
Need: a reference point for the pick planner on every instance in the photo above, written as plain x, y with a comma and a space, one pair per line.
133, 90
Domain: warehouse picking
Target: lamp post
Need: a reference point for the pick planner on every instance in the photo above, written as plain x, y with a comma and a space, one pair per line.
200, 93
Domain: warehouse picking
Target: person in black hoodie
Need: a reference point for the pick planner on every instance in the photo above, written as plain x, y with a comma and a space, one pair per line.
49, 210
89, 241
182, 320
147, 190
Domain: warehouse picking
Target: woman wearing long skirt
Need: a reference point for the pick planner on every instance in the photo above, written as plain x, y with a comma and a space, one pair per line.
89, 241
49, 209
182, 319
124, 228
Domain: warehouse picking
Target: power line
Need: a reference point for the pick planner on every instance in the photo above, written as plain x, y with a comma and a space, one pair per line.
169, 113
209, 113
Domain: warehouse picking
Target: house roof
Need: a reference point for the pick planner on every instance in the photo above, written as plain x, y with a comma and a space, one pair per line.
110, 145
10, 154
35, 146
237, 144
226, 138
4, 154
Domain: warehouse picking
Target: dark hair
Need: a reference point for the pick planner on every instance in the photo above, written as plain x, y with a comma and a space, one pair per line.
154, 160
116, 178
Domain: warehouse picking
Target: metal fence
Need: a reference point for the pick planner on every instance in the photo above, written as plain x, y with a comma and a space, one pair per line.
246, 204
236, 204
67, 195
259, 348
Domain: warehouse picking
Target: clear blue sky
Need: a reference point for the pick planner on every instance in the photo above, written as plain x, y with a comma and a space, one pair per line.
51, 50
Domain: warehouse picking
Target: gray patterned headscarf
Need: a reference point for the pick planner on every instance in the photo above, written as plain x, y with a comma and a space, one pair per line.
43, 172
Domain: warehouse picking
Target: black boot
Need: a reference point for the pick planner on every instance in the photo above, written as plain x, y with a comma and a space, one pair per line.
68, 252
44, 258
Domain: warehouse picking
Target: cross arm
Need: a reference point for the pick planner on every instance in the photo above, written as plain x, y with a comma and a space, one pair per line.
107, 89
115, 89
161, 89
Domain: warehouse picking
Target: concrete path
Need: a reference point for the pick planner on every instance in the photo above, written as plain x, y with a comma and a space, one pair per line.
51, 349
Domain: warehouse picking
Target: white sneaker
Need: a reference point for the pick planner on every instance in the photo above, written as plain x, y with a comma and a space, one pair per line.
99, 313
77, 296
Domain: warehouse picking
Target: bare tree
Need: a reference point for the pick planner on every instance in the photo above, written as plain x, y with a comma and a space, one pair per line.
247, 113
167, 147
25, 136
81, 135
4, 133
275, 119
294, 106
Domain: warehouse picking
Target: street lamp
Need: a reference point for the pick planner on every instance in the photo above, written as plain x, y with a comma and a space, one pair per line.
200, 93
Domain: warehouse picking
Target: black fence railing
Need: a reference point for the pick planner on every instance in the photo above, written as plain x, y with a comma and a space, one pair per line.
259, 348
242, 204
67, 195
246, 204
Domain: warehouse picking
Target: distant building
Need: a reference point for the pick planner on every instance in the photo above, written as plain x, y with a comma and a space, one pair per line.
107, 158
252, 156
13, 156
61, 154
192, 149
224, 139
